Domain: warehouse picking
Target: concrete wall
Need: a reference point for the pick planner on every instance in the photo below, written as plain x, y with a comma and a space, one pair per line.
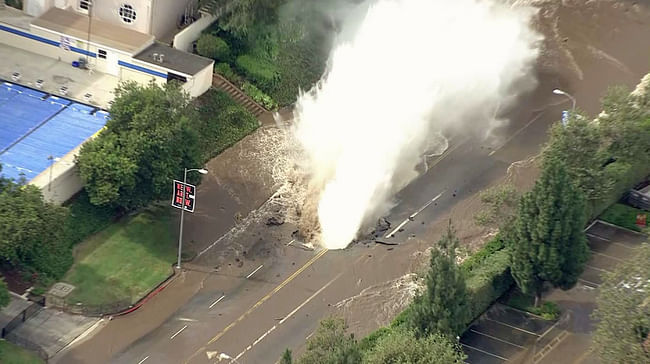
184, 39
166, 15
60, 181
200, 83
37, 7
109, 11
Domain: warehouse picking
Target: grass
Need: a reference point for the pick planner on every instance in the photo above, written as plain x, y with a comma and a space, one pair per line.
625, 216
124, 261
547, 310
13, 354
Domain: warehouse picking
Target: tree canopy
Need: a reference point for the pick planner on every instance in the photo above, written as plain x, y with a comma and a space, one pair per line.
548, 242
442, 308
623, 312
24, 217
146, 144
4, 293
402, 347
331, 345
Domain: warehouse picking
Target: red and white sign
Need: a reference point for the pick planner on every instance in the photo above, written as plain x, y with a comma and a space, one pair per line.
190, 193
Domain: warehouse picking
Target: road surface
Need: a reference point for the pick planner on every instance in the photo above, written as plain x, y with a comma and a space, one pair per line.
254, 297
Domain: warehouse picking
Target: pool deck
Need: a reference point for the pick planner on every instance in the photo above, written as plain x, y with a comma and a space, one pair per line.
55, 74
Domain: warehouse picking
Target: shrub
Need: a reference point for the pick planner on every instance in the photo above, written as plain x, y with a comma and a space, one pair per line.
622, 215
258, 70
221, 123
487, 282
259, 96
213, 47
476, 260
227, 72
85, 218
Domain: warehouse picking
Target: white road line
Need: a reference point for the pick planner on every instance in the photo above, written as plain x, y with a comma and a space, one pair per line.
211, 245
178, 332
496, 338
145, 358
253, 272
426, 205
513, 327
186, 319
289, 243
596, 268
310, 335
516, 133
288, 316
596, 237
217, 301
589, 283
608, 256
549, 329
485, 352
392, 233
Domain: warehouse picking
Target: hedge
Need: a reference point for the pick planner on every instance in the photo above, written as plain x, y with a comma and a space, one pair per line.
213, 47
487, 282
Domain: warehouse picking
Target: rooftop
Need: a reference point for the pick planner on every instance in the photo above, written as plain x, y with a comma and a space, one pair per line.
109, 35
174, 59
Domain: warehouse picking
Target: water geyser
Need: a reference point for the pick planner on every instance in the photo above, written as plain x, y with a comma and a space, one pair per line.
410, 70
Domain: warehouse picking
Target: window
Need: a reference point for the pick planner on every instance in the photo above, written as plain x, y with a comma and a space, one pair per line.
127, 13
101, 53
85, 4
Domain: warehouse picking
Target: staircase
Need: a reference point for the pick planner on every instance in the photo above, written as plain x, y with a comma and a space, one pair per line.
238, 95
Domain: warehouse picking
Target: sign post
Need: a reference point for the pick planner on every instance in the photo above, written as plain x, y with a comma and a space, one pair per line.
184, 195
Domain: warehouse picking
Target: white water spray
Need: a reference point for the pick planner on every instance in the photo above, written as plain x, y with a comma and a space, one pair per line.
412, 69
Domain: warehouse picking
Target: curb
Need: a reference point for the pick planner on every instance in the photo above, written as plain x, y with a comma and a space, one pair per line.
620, 227
162, 285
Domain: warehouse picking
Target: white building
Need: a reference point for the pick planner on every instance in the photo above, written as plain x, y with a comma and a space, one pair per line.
160, 18
110, 46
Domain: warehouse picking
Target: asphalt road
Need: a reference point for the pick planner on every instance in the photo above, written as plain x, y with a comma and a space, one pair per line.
252, 309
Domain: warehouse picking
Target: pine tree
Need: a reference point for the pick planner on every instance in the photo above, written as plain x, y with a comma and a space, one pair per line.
548, 242
286, 357
442, 307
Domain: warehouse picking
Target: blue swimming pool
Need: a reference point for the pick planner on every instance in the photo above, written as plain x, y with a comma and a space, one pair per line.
35, 125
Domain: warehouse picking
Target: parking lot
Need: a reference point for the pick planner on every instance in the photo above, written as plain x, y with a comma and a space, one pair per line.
504, 334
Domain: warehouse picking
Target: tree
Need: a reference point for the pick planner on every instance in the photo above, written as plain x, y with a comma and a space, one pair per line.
331, 345
286, 357
24, 217
442, 308
4, 293
623, 312
147, 143
240, 16
548, 242
579, 144
402, 347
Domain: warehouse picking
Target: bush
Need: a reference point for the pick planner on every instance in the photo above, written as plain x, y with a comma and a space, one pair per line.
227, 72
476, 260
221, 123
548, 310
487, 282
258, 70
260, 97
622, 215
213, 47
85, 218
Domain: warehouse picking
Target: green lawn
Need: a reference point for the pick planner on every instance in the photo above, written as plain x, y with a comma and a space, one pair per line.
625, 216
12, 354
124, 261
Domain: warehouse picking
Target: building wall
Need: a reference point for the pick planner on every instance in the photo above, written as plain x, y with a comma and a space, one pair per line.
184, 39
166, 16
37, 7
109, 11
200, 83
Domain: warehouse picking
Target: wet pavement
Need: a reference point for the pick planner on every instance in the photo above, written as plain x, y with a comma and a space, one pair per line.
276, 290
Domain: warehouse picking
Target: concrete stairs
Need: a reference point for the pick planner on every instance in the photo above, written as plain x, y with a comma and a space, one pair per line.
238, 95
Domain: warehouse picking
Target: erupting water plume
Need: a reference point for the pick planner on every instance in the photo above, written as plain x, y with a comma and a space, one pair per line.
410, 70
